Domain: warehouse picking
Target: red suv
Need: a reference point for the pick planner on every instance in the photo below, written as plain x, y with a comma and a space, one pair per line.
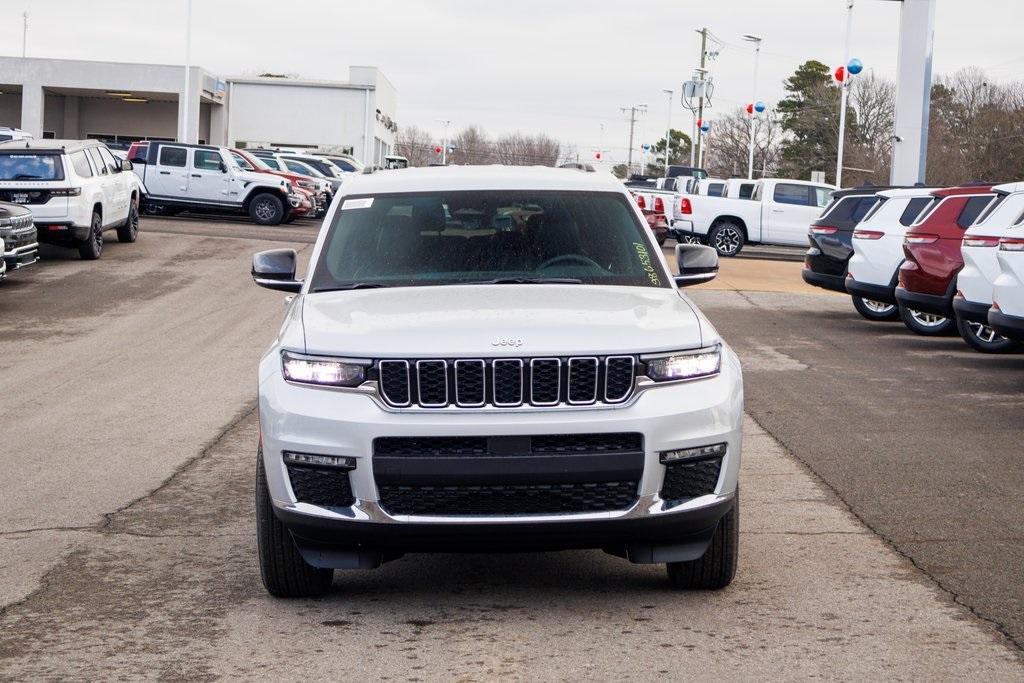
927, 278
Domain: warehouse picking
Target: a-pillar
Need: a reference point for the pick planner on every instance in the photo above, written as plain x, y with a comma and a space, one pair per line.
913, 92
32, 100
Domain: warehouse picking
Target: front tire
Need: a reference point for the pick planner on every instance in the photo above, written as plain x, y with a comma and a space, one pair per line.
285, 574
983, 338
92, 247
877, 311
727, 239
266, 209
716, 568
129, 232
926, 324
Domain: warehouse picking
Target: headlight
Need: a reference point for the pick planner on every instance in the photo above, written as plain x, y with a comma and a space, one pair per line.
687, 365
307, 184
322, 371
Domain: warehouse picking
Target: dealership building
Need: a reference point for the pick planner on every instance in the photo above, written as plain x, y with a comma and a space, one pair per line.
121, 102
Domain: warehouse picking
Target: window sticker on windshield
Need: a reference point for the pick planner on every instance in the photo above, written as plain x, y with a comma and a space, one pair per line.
645, 262
363, 203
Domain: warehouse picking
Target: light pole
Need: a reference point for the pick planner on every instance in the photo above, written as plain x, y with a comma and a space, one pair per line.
756, 40
444, 144
24, 33
842, 97
185, 95
668, 127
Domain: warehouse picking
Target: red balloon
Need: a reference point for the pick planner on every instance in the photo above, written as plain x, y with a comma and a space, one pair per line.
840, 73
750, 109
437, 149
597, 156
700, 122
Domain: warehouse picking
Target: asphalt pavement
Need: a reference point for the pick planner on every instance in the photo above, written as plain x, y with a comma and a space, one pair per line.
872, 534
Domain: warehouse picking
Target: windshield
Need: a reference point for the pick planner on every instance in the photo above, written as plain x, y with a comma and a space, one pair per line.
22, 166
483, 236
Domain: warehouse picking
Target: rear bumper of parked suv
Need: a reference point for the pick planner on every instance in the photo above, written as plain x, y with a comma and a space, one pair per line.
374, 520
971, 310
936, 304
1010, 326
835, 283
884, 293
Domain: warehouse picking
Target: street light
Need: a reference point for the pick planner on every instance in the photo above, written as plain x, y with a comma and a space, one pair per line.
842, 98
668, 126
184, 113
444, 145
756, 40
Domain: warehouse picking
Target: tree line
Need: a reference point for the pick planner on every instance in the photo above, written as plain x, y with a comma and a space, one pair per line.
472, 145
976, 130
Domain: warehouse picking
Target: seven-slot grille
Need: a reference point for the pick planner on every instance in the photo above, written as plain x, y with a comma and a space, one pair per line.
506, 382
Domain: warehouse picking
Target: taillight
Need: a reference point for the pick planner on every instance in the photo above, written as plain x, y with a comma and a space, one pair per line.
685, 206
921, 239
823, 230
66, 192
980, 241
659, 205
640, 201
1011, 244
868, 234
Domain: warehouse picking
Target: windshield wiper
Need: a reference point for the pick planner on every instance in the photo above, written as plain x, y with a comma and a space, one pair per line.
527, 281
351, 285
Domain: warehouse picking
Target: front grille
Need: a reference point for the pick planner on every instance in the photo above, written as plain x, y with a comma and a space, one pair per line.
320, 486
686, 480
506, 382
527, 499
508, 475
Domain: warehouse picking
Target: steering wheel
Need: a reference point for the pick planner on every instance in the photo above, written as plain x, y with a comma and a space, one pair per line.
570, 258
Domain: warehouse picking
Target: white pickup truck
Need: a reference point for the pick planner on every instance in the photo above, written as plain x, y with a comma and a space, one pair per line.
778, 212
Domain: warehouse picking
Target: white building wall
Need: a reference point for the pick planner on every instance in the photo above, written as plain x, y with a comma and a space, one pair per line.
10, 110
286, 114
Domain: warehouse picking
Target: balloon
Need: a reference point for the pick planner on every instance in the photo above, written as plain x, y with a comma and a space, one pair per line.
750, 109
759, 107
437, 150
840, 73
705, 126
855, 66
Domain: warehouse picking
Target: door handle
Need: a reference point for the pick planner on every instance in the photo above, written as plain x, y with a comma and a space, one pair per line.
165, 173
197, 175
776, 210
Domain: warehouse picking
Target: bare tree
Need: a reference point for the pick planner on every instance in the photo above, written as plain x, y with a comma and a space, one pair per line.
416, 145
516, 149
471, 147
729, 145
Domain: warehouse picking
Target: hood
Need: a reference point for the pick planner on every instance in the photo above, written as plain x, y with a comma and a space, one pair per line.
258, 177
498, 320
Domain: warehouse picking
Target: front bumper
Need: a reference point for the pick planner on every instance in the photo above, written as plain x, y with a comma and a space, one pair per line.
22, 255
936, 304
1010, 326
340, 423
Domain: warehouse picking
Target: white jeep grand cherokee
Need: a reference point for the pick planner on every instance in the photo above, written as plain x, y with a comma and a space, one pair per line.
493, 359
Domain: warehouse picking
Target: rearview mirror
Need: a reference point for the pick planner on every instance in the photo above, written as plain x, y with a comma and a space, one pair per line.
275, 269
697, 264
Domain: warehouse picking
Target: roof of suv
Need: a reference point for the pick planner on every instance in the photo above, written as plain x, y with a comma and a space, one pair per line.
50, 145
908, 192
963, 189
481, 178
1008, 188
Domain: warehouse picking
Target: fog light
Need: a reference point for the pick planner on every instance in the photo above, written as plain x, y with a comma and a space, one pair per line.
334, 461
696, 453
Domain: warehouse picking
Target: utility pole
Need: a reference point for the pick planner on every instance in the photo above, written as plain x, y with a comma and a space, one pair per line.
756, 40
668, 127
444, 144
844, 88
24, 33
700, 103
184, 113
633, 111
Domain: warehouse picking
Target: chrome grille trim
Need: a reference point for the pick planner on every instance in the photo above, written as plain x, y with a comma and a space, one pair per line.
632, 378
568, 379
558, 392
408, 383
522, 381
483, 383
420, 364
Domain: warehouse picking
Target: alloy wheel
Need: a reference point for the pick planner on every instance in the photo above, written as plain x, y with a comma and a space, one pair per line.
927, 319
983, 333
264, 210
879, 307
727, 240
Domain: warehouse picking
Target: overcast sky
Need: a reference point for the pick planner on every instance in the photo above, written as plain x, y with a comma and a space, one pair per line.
562, 67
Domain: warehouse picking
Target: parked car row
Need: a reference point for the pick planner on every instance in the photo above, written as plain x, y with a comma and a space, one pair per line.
64, 192
942, 260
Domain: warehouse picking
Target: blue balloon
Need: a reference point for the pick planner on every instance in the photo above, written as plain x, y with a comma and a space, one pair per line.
759, 107
645, 146
855, 66
705, 127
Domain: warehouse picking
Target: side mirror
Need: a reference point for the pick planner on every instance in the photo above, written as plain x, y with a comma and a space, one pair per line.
697, 264
223, 167
275, 269
126, 165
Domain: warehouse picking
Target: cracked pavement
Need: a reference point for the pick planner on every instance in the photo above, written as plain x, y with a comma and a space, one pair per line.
127, 544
